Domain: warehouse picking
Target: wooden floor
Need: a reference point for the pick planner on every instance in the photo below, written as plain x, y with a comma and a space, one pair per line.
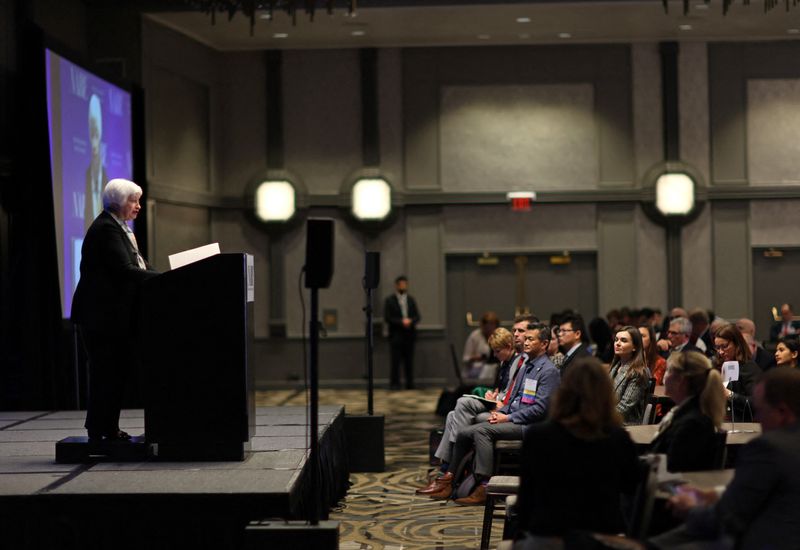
381, 510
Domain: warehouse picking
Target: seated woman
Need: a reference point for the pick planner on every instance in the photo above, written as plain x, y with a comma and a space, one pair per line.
630, 374
686, 434
787, 352
578, 463
730, 346
655, 363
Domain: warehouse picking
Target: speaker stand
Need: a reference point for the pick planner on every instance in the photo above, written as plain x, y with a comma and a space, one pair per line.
364, 433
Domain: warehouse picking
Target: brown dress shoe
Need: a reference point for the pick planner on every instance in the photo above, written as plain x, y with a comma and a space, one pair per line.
436, 484
477, 497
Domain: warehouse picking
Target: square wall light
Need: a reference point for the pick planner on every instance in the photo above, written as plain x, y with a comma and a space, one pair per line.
275, 201
371, 199
674, 194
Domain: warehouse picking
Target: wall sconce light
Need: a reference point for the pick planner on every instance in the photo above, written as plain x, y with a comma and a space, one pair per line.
275, 201
371, 199
675, 194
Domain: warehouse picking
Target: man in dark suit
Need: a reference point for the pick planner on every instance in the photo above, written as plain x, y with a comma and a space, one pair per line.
401, 315
762, 357
104, 305
570, 339
787, 326
758, 509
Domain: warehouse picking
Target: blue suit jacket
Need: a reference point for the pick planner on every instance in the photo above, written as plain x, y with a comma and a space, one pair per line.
527, 409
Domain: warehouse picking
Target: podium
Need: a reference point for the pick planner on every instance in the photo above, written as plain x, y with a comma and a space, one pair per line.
196, 324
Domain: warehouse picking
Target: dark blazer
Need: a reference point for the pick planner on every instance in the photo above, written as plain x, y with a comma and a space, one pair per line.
777, 326
105, 298
582, 351
741, 400
393, 316
568, 483
764, 359
759, 507
689, 440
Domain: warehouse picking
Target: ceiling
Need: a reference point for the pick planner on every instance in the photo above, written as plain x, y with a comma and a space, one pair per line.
460, 23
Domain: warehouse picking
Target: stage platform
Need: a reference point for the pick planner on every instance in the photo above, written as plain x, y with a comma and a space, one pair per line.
155, 504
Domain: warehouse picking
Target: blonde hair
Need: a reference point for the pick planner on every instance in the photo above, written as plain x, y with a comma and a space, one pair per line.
701, 380
501, 338
585, 402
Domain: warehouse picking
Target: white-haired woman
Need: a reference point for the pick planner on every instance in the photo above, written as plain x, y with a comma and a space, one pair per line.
104, 305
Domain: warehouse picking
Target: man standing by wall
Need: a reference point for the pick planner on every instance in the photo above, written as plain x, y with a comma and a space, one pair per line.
401, 315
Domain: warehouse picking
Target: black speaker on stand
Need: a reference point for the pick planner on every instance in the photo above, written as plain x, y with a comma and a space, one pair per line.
365, 432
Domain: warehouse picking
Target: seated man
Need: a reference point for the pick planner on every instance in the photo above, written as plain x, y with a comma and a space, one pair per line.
508, 349
787, 326
526, 404
758, 510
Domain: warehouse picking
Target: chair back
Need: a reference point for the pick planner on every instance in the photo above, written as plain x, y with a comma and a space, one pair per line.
456, 364
642, 509
720, 449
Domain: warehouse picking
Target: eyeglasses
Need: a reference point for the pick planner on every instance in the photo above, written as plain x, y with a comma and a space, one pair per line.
721, 347
559, 331
673, 333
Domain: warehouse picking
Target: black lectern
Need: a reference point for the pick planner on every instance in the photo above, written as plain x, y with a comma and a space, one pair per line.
197, 337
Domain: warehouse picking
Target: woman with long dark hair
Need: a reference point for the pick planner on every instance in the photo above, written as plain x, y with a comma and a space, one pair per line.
787, 352
656, 363
730, 346
630, 374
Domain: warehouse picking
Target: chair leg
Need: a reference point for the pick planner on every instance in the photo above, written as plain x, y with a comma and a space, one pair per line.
488, 517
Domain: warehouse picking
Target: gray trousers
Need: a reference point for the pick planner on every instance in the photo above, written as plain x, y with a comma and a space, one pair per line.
483, 436
467, 412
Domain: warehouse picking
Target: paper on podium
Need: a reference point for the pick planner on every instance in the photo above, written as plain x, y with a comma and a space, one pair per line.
186, 257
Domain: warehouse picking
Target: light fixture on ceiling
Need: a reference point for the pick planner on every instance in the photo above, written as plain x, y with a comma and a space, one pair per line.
685, 27
280, 35
523, 19
484, 36
358, 33
792, 31
564, 35
250, 7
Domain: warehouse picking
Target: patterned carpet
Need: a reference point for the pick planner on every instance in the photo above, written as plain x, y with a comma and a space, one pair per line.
381, 510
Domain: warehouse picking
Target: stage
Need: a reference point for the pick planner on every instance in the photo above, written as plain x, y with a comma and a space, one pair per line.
150, 503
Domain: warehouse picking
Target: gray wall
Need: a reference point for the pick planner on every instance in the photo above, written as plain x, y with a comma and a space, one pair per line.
459, 123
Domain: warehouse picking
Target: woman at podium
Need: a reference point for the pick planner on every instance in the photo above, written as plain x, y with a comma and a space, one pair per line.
104, 305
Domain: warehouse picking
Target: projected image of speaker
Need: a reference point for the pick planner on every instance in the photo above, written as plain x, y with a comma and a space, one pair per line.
372, 270
319, 252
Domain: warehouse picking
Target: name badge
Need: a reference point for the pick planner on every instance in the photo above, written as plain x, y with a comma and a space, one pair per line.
529, 392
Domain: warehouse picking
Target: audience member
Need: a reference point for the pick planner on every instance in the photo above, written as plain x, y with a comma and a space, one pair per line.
758, 510
600, 334
787, 351
555, 355
762, 357
678, 336
476, 349
570, 339
576, 465
526, 404
470, 409
655, 363
630, 374
612, 318
701, 337
787, 326
731, 346
686, 433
